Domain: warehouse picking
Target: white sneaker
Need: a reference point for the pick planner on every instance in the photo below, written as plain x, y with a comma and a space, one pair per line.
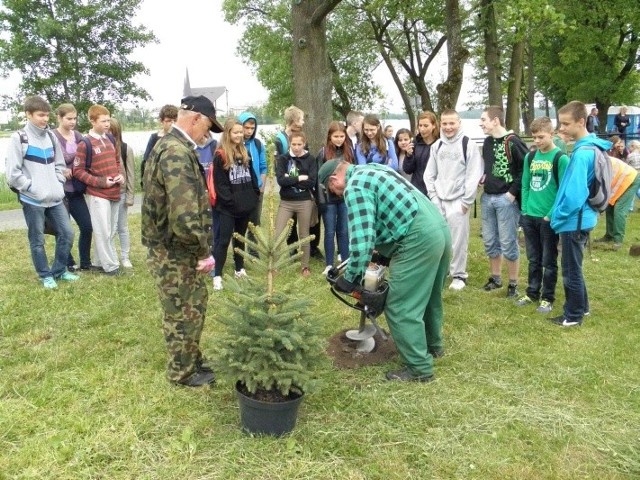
339, 258
217, 283
326, 270
457, 284
242, 273
126, 263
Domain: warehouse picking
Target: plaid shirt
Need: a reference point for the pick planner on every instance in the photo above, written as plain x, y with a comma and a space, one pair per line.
381, 207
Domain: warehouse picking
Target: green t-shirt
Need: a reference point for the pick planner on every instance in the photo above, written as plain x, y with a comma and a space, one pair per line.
539, 187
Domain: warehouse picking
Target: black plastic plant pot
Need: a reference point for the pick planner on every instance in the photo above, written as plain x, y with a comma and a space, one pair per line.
268, 418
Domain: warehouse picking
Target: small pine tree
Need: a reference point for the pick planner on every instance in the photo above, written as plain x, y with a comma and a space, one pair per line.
270, 346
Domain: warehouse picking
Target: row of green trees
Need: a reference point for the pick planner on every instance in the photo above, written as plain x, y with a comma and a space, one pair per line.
562, 49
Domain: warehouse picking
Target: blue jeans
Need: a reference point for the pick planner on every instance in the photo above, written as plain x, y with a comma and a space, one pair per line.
334, 217
500, 226
542, 253
575, 290
80, 212
58, 217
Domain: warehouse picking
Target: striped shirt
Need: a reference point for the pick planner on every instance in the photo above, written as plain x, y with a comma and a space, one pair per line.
104, 164
381, 206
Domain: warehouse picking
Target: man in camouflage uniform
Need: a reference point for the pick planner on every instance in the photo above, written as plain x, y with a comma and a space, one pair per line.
176, 228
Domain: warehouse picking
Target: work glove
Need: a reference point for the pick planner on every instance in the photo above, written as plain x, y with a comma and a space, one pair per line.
345, 286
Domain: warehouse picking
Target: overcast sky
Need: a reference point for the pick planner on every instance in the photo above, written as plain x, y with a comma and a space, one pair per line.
193, 34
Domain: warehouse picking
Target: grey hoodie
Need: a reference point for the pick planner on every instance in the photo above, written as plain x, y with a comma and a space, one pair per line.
38, 175
449, 175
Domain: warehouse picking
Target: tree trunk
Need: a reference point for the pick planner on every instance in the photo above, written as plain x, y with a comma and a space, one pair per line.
512, 117
489, 28
312, 76
457, 55
530, 113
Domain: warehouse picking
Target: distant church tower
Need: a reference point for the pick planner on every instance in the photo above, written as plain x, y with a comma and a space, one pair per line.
212, 93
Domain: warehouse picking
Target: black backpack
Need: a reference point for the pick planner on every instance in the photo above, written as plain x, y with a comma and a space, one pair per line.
81, 187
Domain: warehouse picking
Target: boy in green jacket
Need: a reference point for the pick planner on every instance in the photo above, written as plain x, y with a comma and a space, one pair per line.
543, 169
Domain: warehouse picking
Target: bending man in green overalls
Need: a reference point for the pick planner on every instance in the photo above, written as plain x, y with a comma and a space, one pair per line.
388, 214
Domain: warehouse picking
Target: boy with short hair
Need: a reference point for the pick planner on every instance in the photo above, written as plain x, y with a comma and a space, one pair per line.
503, 153
543, 170
452, 176
103, 181
258, 160
354, 126
35, 169
571, 216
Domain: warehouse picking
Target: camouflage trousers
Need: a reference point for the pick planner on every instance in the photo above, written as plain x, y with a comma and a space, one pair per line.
183, 297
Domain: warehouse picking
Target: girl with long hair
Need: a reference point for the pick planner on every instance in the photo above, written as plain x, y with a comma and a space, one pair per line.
415, 164
68, 137
374, 147
332, 207
404, 148
296, 173
237, 193
127, 192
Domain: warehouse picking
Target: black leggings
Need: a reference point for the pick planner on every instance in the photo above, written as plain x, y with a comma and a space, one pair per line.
229, 225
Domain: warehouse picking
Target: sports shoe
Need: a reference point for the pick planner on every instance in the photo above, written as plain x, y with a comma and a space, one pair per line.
242, 273
565, 322
69, 277
525, 300
49, 283
617, 246
217, 283
115, 273
306, 272
512, 290
327, 269
457, 284
544, 307
405, 375
492, 284
126, 263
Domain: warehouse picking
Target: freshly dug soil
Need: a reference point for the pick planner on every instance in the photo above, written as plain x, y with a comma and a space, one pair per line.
344, 354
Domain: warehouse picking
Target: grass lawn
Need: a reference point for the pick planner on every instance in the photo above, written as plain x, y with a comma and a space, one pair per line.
83, 393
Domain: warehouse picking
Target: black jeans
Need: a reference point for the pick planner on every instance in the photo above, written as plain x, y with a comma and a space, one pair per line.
229, 225
80, 213
542, 253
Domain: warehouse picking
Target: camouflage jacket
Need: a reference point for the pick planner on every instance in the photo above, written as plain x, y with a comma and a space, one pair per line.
176, 213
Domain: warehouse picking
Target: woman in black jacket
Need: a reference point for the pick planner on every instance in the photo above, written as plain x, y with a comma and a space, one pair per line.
415, 162
237, 192
296, 172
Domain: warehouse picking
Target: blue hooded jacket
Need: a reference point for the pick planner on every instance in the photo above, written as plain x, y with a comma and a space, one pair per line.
574, 188
258, 155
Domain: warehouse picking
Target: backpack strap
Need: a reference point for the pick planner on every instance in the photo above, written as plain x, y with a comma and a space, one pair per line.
24, 141
259, 145
507, 146
465, 144
556, 161
88, 152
